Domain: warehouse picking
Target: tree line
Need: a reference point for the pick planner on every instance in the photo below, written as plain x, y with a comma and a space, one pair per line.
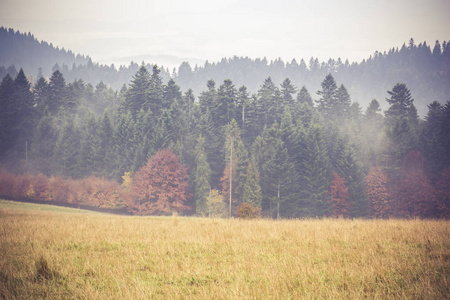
424, 68
277, 151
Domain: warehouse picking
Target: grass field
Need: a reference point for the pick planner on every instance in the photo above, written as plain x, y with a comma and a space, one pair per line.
65, 253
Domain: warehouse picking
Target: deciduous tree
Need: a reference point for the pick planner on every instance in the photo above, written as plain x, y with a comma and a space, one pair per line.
161, 186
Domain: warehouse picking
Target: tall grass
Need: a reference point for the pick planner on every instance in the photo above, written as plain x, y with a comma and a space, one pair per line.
47, 254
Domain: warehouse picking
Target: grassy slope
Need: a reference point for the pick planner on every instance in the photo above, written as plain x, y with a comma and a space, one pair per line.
14, 205
72, 255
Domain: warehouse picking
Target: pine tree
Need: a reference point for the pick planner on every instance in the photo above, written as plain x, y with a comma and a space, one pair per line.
401, 125
43, 145
278, 180
252, 188
213, 146
172, 94
207, 98
224, 106
155, 92
431, 139
137, 94
86, 160
287, 91
66, 150
316, 175
202, 178
103, 155
56, 92
242, 107
41, 93
328, 98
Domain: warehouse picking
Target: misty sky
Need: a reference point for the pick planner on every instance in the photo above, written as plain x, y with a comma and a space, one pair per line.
206, 29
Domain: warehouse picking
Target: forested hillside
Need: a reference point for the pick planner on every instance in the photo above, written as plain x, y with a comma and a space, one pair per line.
285, 150
20, 50
424, 68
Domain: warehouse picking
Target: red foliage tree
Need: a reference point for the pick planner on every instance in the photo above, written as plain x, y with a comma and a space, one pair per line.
414, 194
379, 195
160, 187
340, 198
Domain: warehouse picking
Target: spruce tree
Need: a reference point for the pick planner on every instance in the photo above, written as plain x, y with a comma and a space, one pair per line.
137, 94
155, 92
288, 91
328, 98
316, 175
56, 92
201, 178
279, 179
252, 188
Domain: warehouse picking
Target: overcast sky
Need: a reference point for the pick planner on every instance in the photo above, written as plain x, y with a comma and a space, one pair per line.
207, 29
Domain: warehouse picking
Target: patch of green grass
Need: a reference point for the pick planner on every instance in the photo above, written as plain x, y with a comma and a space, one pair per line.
15, 205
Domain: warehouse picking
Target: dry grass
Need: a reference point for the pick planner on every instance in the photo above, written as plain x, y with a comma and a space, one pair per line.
48, 254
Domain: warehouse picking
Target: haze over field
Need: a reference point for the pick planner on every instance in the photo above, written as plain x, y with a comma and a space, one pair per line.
121, 31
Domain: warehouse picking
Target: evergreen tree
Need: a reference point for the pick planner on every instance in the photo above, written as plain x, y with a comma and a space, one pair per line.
242, 107
224, 106
287, 91
66, 150
343, 103
103, 155
213, 146
269, 105
155, 91
56, 92
303, 97
8, 117
172, 94
86, 160
252, 189
43, 145
431, 139
202, 178
316, 175
137, 94
41, 93
400, 103
328, 98
278, 181
207, 98
123, 146
401, 121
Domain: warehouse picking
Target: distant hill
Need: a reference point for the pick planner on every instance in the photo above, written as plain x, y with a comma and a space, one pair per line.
24, 51
424, 69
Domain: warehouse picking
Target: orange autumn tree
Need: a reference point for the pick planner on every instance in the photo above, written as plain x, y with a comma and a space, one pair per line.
340, 198
161, 186
379, 196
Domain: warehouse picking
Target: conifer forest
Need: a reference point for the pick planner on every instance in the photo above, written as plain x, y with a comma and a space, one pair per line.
199, 144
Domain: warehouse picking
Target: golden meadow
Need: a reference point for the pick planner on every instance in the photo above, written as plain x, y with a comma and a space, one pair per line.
54, 252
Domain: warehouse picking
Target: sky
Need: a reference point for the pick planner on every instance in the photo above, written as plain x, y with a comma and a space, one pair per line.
176, 30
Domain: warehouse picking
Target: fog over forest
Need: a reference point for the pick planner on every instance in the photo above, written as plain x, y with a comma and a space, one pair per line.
239, 136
